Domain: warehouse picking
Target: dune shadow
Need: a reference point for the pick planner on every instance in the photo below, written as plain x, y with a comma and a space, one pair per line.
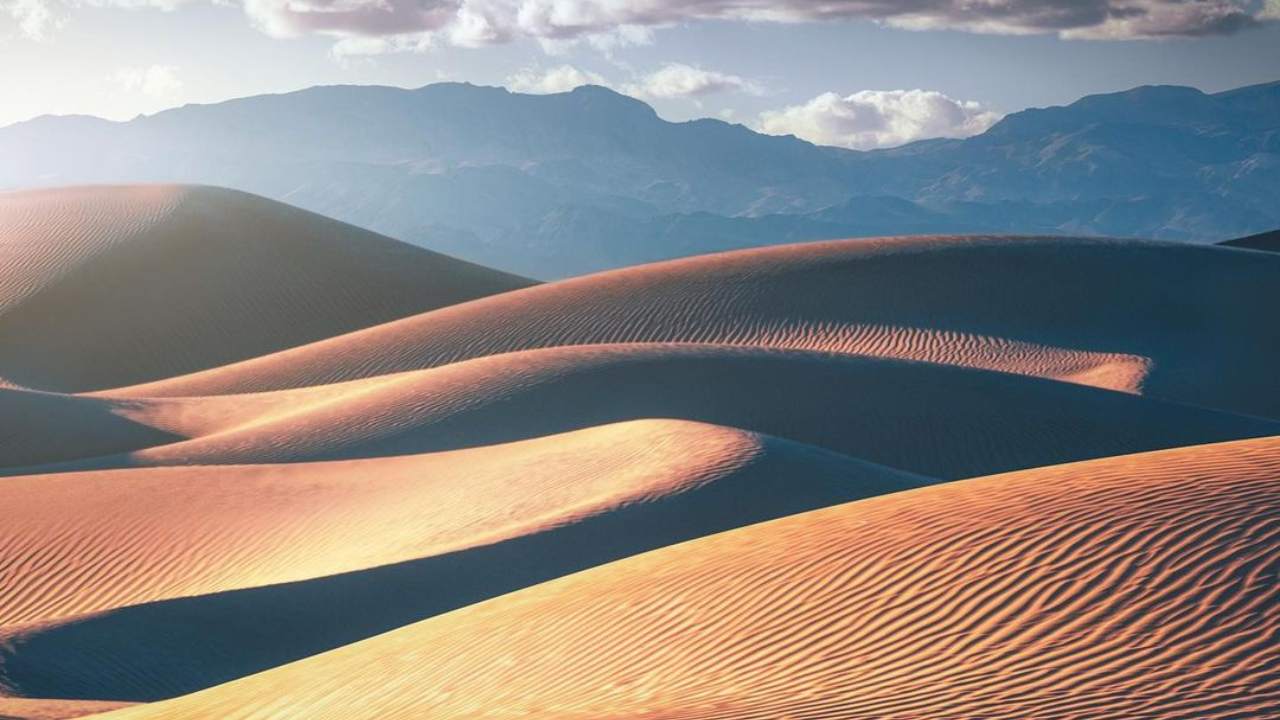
38, 428
162, 649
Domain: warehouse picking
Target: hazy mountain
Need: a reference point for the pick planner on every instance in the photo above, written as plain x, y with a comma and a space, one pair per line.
552, 185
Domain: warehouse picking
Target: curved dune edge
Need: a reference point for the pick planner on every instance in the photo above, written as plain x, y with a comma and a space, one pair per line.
221, 572
1140, 586
41, 709
45, 427
1133, 316
935, 420
207, 529
151, 281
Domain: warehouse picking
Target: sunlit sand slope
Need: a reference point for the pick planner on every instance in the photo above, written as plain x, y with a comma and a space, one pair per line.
220, 572
1172, 321
32, 709
1130, 587
936, 420
108, 286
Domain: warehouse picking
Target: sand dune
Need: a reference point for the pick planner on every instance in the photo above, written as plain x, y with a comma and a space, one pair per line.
38, 427
935, 420
109, 286
223, 572
1125, 315
44, 427
1268, 241
309, 471
35, 709
1130, 587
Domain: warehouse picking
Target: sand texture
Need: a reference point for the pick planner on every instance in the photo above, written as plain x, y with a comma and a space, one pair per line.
256, 464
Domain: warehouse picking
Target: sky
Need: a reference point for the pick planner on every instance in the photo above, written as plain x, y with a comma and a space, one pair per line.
854, 73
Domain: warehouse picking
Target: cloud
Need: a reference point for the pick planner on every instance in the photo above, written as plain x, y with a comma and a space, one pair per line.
604, 24
671, 81
156, 80
1079, 19
1186, 19
879, 118
166, 5
37, 19
554, 80
608, 23
354, 46
677, 80
367, 18
34, 18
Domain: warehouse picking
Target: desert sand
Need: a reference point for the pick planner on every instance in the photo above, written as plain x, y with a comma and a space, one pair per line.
35, 709
933, 419
1124, 315
260, 464
146, 282
1129, 587
379, 543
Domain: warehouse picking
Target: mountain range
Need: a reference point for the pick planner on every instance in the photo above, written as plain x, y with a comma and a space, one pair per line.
549, 186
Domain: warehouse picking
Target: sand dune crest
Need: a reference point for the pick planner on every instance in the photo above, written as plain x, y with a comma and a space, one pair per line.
226, 571
1131, 587
933, 419
1124, 315
109, 286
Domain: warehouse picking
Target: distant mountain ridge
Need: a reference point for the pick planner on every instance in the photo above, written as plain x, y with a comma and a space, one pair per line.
555, 185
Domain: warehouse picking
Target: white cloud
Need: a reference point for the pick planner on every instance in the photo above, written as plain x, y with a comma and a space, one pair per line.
478, 23
35, 18
554, 80
155, 80
671, 81
166, 5
356, 46
677, 80
879, 118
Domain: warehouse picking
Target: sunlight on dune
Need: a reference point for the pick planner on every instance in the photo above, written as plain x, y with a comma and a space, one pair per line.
1138, 586
260, 464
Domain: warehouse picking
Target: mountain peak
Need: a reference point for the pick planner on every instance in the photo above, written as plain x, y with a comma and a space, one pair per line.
598, 96
561, 183
1155, 105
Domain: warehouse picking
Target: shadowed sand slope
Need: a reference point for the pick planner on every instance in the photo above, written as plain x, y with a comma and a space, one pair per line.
221, 572
43, 427
935, 420
1129, 587
1268, 241
38, 427
1173, 321
108, 286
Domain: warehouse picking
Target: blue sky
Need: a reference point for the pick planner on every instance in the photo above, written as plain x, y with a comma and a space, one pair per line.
836, 72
